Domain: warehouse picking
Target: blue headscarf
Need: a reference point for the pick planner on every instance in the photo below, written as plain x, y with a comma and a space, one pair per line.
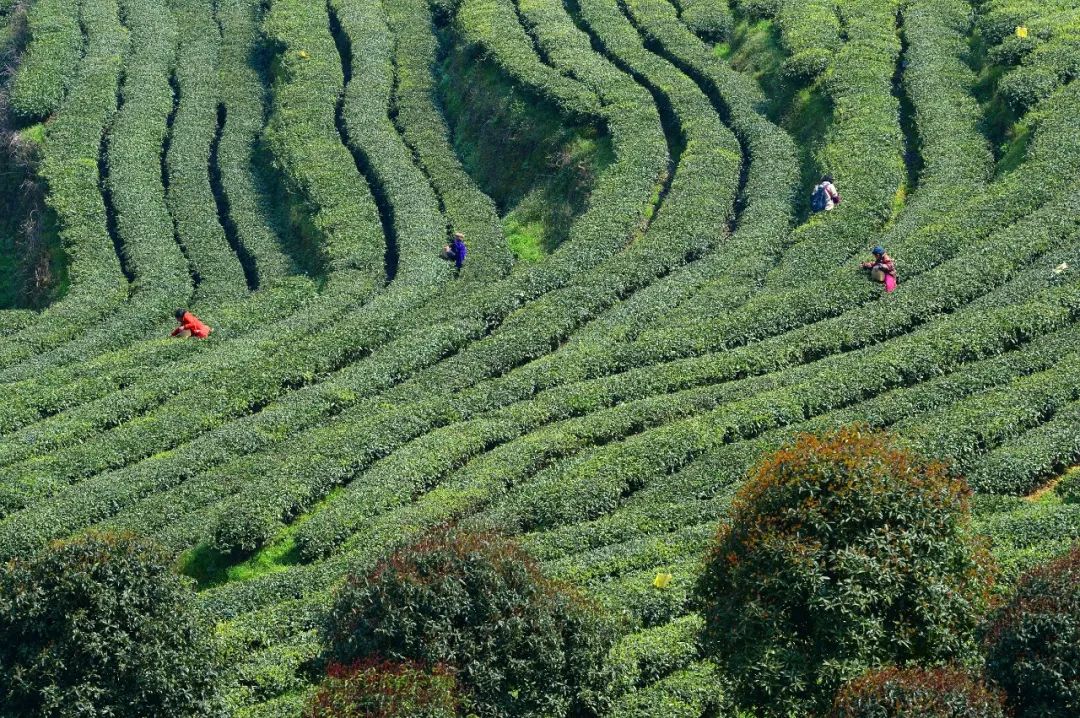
878, 251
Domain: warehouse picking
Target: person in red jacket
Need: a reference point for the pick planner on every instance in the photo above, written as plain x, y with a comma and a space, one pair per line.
190, 326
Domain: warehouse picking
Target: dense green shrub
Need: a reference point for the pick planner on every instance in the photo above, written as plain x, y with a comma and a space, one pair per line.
97, 284
842, 552
810, 32
191, 149
1033, 643
384, 689
917, 693
688, 693
711, 19
519, 644
51, 60
100, 626
756, 9
1069, 488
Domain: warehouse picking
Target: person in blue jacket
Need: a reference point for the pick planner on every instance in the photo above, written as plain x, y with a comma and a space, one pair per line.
456, 250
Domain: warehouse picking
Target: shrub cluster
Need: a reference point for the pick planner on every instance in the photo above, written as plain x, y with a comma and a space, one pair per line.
712, 172
1033, 643
384, 689
97, 284
917, 693
1042, 61
519, 644
191, 150
100, 626
810, 32
241, 94
133, 175
842, 552
1069, 488
711, 20
51, 60
341, 218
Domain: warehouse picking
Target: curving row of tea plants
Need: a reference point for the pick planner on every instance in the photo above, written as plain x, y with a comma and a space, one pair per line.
290, 171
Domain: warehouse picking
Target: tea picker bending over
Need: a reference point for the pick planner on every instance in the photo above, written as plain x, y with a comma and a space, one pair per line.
190, 326
456, 250
825, 197
882, 269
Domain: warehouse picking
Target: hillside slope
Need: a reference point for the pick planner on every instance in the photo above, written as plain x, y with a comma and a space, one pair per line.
646, 308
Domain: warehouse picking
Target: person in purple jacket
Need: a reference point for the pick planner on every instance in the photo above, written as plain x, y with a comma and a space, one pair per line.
456, 250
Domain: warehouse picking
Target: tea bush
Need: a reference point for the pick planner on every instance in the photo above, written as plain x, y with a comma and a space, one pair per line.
917, 693
1033, 642
100, 626
842, 552
98, 285
1069, 488
709, 18
520, 645
51, 60
384, 689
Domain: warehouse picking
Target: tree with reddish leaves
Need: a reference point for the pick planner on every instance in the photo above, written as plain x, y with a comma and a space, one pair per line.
917, 693
385, 689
